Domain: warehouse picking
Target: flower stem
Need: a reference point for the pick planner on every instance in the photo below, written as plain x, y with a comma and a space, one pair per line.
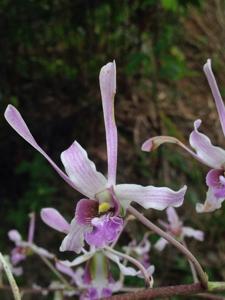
53, 269
133, 261
201, 274
192, 267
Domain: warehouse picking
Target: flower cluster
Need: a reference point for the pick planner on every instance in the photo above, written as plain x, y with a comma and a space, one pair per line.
100, 216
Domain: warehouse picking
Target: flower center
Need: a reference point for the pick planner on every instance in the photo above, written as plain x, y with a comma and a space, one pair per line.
105, 201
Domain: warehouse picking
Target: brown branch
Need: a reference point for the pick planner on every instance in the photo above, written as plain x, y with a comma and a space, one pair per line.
177, 290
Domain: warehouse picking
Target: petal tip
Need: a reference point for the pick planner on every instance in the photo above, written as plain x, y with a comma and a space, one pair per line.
207, 65
147, 146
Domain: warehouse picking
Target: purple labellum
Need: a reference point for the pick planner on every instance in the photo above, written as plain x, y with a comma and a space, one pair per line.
215, 180
105, 230
86, 210
17, 255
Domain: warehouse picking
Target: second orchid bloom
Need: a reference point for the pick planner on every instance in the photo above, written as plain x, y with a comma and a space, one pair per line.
208, 154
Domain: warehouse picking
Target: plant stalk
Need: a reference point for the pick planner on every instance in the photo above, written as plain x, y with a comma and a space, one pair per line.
201, 274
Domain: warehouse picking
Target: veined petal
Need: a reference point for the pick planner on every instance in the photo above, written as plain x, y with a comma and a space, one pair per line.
86, 210
211, 203
54, 219
149, 196
14, 236
212, 156
190, 232
107, 80
216, 93
15, 120
105, 230
82, 171
74, 240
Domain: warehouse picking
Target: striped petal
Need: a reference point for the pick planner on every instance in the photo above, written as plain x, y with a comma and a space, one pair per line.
149, 196
82, 171
211, 203
15, 120
107, 80
212, 156
216, 93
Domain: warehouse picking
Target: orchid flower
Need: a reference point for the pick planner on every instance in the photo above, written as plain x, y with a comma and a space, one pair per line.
95, 279
24, 248
176, 229
141, 252
208, 154
97, 217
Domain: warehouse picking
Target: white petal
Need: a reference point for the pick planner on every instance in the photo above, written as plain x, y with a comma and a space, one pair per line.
79, 260
190, 232
160, 244
127, 271
216, 93
212, 156
107, 80
149, 196
74, 240
82, 171
211, 203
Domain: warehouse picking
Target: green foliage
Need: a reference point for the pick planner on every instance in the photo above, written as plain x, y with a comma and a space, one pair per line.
39, 191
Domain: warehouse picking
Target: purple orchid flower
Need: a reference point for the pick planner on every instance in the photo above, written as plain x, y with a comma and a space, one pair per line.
23, 248
98, 213
176, 229
208, 154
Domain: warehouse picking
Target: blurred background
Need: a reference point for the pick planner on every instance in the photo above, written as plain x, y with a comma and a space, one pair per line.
51, 53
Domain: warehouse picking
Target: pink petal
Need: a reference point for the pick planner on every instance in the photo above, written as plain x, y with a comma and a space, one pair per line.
15, 120
86, 209
107, 80
66, 270
190, 232
173, 219
156, 141
31, 228
211, 203
54, 219
216, 93
212, 156
149, 196
82, 171
212, 178
14, 235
